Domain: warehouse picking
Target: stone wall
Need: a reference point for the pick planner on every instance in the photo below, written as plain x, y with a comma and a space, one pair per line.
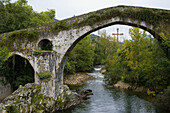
5, 89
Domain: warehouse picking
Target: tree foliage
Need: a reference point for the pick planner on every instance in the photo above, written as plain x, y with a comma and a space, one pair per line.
141, 62
81, 58
163, 101
104, 46
20, 15
87, 53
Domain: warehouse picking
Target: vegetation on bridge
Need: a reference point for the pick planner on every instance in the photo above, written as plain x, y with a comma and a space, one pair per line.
150, 16
7, 40
40, 52
44, 75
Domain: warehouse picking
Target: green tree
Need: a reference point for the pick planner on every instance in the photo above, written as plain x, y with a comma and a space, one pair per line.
81, 58
20, 15
141, 62
104, 46
137, 52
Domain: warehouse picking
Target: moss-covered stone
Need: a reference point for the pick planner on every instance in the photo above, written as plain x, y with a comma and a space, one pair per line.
29, 99
18, 37
150, 16
39, 52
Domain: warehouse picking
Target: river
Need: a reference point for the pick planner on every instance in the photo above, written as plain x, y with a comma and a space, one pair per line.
110, 100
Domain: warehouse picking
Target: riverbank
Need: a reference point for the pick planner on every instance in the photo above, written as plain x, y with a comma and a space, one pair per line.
160, 100
109, 100
77, 79
103, 70
127, 86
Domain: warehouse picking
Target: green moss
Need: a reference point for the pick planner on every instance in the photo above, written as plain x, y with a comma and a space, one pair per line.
60, 103
39, 52
8, 39
90, 20
44, 75
12, 109
24, 110
40, 101
150, 16
31, 35
166, 47
61, 25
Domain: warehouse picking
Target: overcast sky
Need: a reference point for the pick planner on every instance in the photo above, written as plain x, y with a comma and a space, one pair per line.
68, 8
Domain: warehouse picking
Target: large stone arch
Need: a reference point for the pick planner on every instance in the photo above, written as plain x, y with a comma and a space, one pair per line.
97, 26
118, 22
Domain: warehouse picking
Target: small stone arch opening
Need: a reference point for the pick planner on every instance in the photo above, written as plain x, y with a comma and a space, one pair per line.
18, 71
45, 44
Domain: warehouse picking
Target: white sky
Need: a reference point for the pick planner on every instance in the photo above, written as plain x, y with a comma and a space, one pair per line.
68, 8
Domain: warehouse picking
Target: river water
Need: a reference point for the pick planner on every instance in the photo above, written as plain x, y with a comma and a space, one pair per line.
110, 100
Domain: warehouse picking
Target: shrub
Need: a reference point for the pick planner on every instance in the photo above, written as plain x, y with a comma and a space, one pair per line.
44, 75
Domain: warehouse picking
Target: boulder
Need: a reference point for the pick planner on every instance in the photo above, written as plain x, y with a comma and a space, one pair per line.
84, 93
29, 99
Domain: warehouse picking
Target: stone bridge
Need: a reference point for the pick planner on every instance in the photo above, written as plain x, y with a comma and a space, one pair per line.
65, 34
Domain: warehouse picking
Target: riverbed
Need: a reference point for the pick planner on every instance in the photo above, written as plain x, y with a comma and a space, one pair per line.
110, 100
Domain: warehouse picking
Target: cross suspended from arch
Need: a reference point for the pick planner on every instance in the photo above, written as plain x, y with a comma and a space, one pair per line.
117, 34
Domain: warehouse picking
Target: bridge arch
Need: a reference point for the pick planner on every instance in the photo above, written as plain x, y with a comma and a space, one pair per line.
96, 25
17, 67
110, 24
27, 57
118, 21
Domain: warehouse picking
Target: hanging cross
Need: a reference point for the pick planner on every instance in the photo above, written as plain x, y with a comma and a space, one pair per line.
117, 34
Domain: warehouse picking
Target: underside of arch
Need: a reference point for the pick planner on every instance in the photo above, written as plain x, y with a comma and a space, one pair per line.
18, 71
155, 35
